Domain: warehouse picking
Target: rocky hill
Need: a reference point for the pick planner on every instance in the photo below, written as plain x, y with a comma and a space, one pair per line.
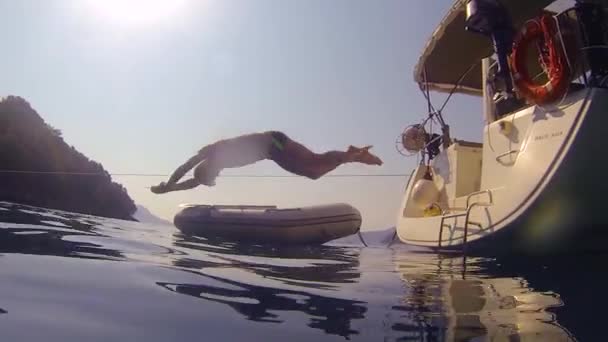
37, 167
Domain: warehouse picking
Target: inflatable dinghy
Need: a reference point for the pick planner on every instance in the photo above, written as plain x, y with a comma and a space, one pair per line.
269, 224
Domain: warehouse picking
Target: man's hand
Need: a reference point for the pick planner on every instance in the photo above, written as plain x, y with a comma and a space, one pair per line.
160, 188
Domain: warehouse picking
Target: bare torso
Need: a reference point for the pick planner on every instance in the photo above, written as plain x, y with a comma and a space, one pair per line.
239, 151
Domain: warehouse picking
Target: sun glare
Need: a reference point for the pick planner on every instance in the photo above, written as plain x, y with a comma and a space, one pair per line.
137, 13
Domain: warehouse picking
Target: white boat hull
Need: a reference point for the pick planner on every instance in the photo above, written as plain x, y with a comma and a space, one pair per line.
541, 186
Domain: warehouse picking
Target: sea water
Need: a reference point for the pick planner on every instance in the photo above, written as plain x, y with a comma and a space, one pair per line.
73, 277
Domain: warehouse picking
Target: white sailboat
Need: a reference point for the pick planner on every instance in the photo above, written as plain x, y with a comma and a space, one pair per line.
536, 182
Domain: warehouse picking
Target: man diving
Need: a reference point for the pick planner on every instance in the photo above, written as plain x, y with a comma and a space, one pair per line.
251, 148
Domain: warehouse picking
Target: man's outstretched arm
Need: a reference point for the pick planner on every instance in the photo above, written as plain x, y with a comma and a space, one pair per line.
172, 184
188, 165
184, 168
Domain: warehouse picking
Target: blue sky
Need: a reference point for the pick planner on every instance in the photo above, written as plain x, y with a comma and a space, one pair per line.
140, 89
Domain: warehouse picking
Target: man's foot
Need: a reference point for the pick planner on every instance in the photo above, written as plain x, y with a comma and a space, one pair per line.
160, 188
363, 155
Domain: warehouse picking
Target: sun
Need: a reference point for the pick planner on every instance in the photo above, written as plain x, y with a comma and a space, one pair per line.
137, 13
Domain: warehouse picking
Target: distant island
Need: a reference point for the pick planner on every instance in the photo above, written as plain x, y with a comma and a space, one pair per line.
29, 145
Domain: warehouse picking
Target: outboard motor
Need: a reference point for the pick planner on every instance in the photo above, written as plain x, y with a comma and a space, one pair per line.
491, 18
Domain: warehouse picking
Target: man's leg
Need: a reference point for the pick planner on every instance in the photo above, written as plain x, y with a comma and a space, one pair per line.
298, 159
326, 162
321, 164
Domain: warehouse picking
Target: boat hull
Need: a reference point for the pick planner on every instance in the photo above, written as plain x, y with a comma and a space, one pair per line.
554, 211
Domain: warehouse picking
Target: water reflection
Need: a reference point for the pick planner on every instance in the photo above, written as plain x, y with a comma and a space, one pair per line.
575, 281
369, 294
445, 302
30, 230
314, 266
320, 267
263, 304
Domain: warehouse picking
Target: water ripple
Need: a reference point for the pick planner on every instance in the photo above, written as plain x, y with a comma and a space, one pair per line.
79, 277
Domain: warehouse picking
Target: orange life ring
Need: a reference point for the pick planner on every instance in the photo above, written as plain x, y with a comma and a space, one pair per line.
558, 72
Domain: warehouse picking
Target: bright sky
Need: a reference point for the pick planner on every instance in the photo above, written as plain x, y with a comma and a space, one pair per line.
140, 85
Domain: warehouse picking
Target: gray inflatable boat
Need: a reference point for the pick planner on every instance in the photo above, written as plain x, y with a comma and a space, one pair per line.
269, 224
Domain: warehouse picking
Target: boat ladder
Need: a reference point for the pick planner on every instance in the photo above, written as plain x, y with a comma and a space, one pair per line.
466, 214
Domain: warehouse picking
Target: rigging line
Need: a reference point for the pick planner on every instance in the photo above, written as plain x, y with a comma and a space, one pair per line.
425, 89
425, 96
456, 85
428, 91
67, 173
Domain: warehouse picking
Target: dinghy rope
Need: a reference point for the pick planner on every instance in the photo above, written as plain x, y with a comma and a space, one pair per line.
387, 246
361, 238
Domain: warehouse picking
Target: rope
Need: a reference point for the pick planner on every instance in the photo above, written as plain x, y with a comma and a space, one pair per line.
361, 238
456, 85
393, 238
67, 173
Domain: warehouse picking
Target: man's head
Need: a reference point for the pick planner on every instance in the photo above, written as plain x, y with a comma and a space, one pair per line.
205, 174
